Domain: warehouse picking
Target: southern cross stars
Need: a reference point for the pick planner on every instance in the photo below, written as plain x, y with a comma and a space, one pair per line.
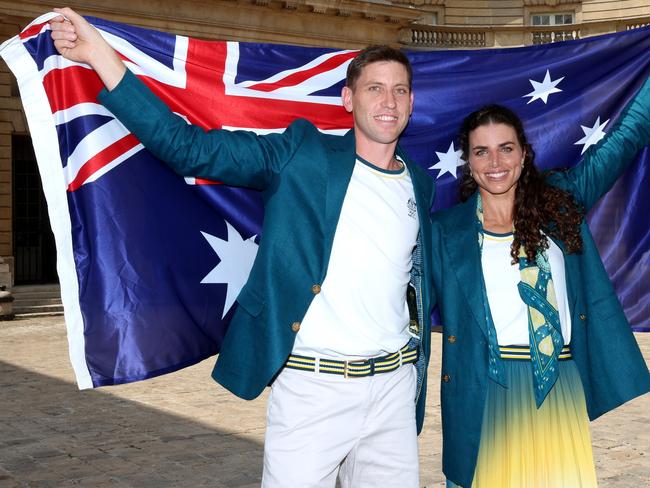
542, 90
237, 256
592, 134
448, 162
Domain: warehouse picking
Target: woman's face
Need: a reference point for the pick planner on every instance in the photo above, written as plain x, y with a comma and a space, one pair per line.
495, 158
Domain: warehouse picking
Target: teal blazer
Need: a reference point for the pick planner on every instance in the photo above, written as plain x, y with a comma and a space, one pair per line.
605, 352
303, 175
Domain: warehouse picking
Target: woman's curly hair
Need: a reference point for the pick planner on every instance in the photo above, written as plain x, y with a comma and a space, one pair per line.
540, 209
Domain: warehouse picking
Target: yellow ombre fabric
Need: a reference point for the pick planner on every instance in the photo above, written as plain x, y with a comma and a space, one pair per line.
525, 447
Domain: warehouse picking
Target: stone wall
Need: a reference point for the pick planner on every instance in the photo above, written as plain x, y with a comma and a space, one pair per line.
517, 12
330, 23
599, 10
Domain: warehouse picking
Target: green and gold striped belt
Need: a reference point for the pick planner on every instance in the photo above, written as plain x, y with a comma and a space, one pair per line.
354, 369
523, 353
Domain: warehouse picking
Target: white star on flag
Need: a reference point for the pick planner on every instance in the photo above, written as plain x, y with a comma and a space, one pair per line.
592, 134
542, 90
448, 162
237, 256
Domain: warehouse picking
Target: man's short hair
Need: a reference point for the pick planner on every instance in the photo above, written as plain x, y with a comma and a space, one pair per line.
374, 54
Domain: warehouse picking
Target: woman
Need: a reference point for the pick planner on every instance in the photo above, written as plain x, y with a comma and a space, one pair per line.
535, 340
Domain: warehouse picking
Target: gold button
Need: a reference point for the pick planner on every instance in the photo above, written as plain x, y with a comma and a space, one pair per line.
295, 326
315, 289
451, 338
446, 378
583, 316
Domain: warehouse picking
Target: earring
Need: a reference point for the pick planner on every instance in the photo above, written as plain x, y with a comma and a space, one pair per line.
522, 162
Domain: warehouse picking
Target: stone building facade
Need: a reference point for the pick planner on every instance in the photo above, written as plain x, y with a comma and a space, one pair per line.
26, 247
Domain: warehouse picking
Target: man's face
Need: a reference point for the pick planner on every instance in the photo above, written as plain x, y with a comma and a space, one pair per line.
380, 101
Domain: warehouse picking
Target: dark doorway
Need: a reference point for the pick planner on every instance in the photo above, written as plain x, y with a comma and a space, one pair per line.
33, 243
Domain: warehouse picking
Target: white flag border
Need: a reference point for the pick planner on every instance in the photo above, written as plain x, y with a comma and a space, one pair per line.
44, 137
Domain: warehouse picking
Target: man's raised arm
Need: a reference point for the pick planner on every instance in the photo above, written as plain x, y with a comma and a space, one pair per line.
237, 158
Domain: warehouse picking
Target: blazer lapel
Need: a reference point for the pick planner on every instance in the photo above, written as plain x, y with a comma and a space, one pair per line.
570, 271
340, 165
461, 243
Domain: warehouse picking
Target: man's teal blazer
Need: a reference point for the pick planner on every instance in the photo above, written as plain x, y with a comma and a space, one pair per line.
303, 175
605, 352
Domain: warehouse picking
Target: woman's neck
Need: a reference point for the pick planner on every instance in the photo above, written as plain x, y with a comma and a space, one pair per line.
498, 212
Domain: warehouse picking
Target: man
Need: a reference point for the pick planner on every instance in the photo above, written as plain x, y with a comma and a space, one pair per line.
323, 317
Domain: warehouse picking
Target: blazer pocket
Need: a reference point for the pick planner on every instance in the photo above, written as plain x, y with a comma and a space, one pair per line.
607, 307
250, 301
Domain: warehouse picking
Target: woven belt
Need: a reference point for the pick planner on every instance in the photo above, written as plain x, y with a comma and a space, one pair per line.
522, 353
356, 369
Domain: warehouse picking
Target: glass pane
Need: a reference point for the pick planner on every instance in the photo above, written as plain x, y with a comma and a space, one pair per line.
537, 20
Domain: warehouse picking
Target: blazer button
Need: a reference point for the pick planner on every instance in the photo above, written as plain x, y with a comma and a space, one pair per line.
446, 378
583, 316
315, 289
451, 339
295, 326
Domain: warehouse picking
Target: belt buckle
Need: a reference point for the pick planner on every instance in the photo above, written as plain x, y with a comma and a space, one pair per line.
346, 365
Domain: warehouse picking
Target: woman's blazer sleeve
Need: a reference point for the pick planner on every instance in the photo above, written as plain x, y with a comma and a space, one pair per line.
606, 161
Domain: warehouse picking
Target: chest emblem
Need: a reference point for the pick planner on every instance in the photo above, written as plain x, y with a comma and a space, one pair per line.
412, 207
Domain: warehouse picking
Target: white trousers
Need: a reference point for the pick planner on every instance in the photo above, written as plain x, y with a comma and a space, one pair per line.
320, 426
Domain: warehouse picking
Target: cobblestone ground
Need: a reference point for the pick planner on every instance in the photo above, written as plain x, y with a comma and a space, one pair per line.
183, 430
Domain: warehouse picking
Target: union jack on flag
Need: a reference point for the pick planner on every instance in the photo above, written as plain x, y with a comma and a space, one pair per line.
150, 263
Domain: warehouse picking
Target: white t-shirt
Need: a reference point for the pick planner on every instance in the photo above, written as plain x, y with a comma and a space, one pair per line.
361, 309
509, 312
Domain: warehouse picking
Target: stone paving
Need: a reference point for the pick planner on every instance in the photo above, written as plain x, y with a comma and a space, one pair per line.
183, 430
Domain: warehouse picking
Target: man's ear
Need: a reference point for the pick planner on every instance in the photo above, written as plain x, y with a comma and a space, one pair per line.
411, 109
346, 97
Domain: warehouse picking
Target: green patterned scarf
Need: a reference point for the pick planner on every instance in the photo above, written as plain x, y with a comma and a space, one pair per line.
544, 331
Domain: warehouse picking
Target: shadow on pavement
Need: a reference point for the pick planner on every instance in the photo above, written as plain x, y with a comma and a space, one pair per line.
51, 434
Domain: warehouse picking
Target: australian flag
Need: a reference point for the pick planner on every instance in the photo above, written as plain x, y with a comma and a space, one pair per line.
151, 263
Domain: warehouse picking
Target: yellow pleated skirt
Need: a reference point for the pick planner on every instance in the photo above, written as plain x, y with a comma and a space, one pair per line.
526, 447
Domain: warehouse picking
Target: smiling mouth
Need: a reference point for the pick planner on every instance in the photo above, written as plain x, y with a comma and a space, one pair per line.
497, 175
386, 118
